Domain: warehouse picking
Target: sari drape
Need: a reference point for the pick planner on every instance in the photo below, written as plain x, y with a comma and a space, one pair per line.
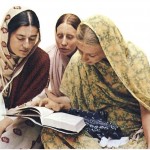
7, 61
33, 76
30, 81
116, 84
58, 63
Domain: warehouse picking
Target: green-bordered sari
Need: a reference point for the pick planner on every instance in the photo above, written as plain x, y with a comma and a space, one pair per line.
116, 84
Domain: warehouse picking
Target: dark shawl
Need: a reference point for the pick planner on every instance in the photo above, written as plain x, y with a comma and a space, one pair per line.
32, 79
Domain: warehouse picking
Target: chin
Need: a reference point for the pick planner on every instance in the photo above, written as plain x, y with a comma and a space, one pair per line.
90, 64
23, 56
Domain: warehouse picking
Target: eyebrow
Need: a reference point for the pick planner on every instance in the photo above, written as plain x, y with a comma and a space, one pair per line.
25, 36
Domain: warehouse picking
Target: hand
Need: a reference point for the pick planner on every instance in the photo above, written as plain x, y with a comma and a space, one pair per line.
4, 124
46, 102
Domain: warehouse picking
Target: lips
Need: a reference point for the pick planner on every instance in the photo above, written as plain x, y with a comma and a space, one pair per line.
25, 51
63, 49
89, 63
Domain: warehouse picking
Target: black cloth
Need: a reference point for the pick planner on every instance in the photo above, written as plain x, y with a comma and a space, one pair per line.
97, 125
31, 81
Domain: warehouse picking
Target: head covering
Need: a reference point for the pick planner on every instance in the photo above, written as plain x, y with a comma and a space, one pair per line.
127, 60
8, 66
58, 63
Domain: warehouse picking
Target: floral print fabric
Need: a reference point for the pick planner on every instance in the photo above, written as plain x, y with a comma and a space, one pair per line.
116, 84
7, 63
22, 134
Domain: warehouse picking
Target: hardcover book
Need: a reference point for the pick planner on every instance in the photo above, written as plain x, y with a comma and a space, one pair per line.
60, 121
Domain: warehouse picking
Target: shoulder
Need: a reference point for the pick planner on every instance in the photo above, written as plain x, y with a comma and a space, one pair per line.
51, 49
76, 58
40, 56
75, 61
40, 51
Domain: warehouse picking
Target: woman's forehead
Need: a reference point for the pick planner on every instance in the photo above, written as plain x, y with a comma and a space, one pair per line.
87, 47
66, 28
27, 31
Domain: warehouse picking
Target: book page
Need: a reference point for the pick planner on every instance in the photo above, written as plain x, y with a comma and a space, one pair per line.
62, 130
42, 111
64, 121
59, 121
35, 120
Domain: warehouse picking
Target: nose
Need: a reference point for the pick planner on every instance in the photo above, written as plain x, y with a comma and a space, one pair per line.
26, 44
64, 41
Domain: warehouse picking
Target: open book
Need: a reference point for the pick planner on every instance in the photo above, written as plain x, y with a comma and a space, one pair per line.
45, 117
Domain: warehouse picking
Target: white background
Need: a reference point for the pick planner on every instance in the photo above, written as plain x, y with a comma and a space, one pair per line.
131, 16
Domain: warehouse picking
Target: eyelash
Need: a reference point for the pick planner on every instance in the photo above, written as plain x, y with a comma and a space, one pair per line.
22, 39
68, 37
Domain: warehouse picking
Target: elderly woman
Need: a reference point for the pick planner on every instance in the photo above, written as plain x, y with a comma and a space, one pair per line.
24, 70
106, 73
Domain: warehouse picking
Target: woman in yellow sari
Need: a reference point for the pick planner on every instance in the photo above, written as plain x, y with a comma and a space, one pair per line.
106, 73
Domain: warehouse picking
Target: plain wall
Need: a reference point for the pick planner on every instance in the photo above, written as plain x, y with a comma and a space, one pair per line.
131, 16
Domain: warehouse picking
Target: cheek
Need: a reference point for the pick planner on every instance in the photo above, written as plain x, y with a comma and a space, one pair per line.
12, 45
72, 45
58, 42
73, 48
32, 45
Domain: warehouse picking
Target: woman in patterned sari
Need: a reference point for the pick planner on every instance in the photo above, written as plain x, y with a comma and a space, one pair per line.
24, 70
106, 73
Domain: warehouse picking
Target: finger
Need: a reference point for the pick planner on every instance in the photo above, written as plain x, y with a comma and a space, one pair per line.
54, 106
33, 103
43, 102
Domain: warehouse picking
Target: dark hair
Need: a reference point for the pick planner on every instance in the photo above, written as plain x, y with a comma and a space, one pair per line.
24, 18
70, 19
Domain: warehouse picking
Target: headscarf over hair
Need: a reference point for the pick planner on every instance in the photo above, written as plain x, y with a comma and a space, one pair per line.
127, 60
8, 66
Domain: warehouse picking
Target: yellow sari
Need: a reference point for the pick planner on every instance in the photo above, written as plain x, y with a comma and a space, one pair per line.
116, 84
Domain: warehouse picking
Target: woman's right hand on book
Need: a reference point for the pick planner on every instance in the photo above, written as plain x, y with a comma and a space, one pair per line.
4, 124
48, 103
51, 104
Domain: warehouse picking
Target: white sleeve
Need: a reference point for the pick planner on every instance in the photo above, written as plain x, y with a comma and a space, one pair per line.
40, 96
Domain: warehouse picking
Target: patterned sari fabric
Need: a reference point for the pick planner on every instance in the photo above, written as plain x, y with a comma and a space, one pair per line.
25, 67
7, 60
116, 84
31, 76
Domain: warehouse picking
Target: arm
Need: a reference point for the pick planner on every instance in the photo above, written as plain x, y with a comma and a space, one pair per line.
62, 102
60, 99
52, 102
145, 115
4, 124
